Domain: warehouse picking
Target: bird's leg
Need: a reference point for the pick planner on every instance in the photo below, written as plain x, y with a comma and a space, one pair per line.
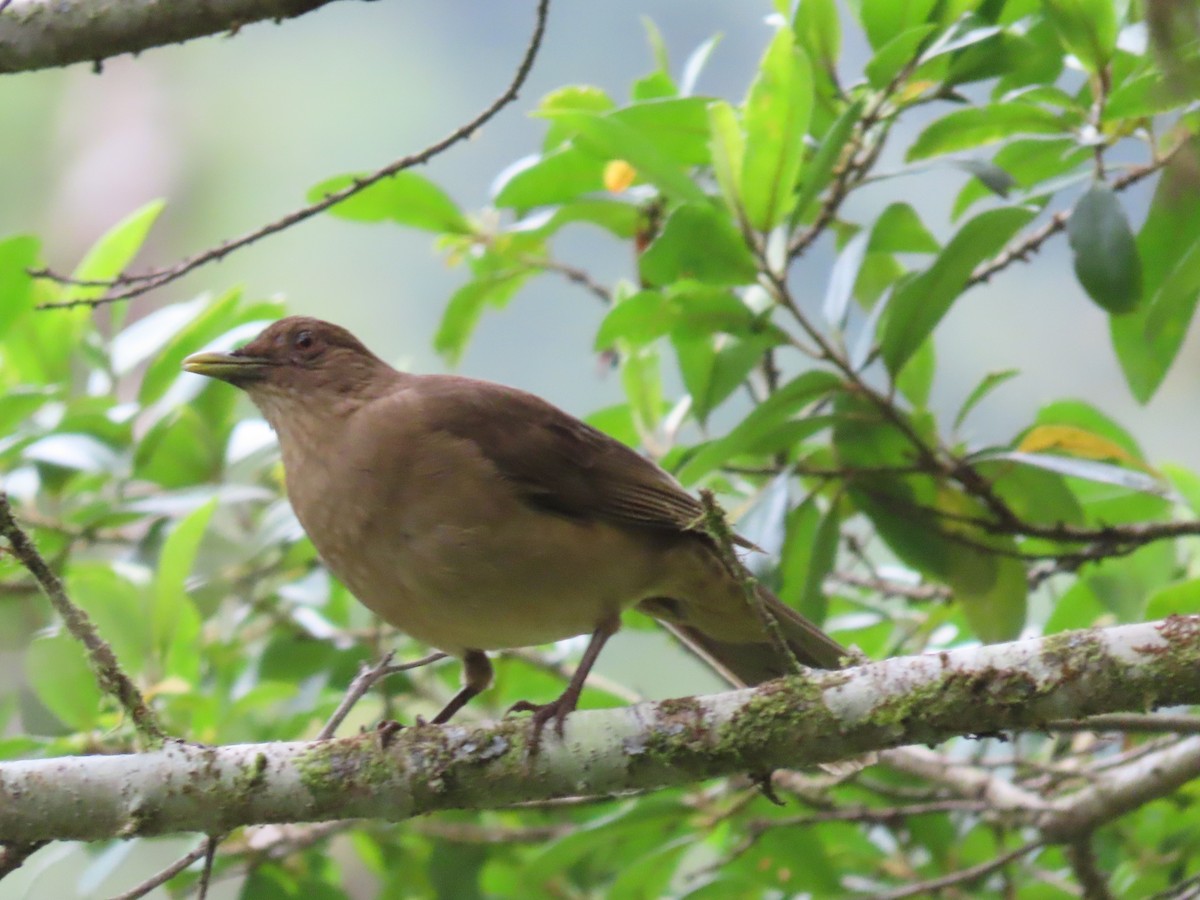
559, 709
477, 676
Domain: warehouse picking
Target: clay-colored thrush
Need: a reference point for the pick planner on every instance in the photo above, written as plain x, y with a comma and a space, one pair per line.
478, 517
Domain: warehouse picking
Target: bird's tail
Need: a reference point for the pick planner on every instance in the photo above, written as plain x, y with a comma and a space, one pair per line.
748, 664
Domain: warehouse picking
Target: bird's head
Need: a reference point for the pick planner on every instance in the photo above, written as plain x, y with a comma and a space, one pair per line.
299, 363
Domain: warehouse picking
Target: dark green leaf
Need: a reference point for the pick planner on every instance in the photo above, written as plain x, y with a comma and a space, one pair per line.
1148, 340
996, 612
1106, 255
918, 305
59, 674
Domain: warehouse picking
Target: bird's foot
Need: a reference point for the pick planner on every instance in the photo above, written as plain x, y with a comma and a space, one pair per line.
543, 713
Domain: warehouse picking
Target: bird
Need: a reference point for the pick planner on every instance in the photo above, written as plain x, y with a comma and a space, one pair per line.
477, 517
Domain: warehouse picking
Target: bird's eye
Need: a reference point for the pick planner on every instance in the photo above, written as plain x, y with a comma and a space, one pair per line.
303, 340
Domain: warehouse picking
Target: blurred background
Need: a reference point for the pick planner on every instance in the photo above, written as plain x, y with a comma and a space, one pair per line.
234, 130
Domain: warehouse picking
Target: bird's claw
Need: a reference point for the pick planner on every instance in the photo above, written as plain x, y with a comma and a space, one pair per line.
385, 731
543, 714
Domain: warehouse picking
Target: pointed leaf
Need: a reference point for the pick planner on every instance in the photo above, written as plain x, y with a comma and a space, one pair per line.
919, 304
776, 117
1106, 255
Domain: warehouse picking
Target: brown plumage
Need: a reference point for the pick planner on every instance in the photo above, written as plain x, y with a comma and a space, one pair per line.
478, 517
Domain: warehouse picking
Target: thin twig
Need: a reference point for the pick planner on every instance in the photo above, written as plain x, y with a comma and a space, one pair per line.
367, 679
962, 876
1022, 249
105, 665
127, 286
163, 876
1130, 723
1082, 857
13, 856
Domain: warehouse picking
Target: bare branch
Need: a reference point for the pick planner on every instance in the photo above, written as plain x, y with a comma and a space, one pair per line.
38, 34
127, 286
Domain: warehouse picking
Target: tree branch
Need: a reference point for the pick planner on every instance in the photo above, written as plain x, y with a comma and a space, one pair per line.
793, 722
126, 286
109, 674
37, 34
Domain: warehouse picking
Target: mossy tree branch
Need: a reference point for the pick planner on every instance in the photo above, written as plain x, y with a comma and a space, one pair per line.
790, 723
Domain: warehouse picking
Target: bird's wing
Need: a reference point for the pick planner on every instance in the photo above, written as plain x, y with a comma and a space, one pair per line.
558, 463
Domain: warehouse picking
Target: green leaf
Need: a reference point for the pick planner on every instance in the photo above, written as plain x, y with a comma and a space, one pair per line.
777, 409
899, 230
1148, 340
775, 118
217, 317
584, 97
884, 19
713, 369
611, 138
678, 127
979, 125
60, 676
896, 54
918, 306
641, 377
1106, 255
817, 173
109, 256
986, 385
117, 608
996, 612
728, 147
1087, 27
821, 558
560, 176
175, 564
700, 243
466, 306
638, 319
818, 30
406, 198
17, 254
916, 378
